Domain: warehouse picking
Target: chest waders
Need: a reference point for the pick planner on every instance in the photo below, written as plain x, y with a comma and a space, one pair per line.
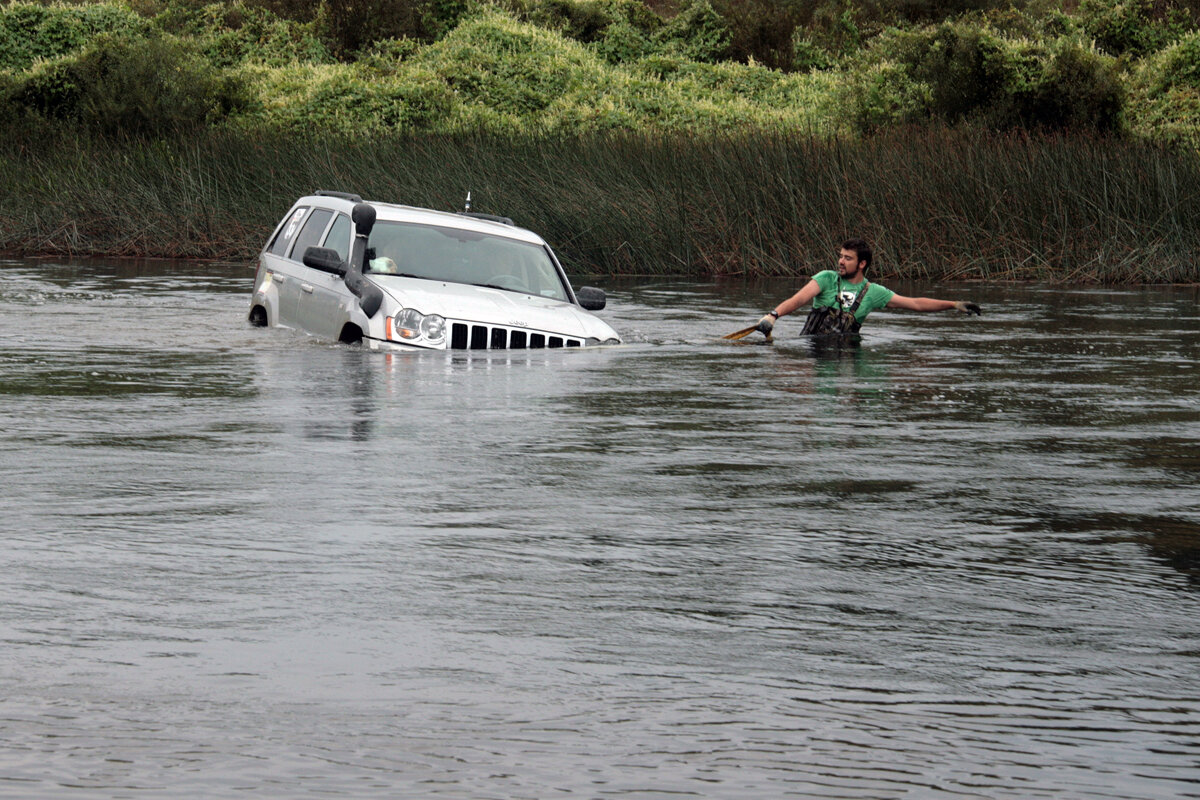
833, 319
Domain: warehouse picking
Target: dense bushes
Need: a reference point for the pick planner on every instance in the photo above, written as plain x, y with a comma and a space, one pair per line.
762, 30
1169, 82
623, 31
120, 86
956, 72
1133, 27
351, 25
1077, 88
234, 33
569, 66
494, 73
30, 32
968, 71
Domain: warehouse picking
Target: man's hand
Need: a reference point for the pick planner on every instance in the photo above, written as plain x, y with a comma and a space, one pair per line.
767, 324
967, 308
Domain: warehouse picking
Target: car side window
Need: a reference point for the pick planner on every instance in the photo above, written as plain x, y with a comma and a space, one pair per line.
339, 236
287, 233
312, 231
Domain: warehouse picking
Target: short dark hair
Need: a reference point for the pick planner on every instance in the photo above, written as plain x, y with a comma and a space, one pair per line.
861, 249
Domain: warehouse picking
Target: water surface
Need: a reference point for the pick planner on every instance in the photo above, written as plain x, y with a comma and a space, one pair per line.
961, 559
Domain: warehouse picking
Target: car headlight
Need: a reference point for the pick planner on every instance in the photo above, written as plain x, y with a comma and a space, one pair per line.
433, 327
410, 325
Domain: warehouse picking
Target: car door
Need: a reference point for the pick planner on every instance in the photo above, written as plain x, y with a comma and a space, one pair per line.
329, 299
285, 274
314, 285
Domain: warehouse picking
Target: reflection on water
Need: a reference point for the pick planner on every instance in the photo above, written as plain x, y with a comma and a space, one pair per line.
956, 557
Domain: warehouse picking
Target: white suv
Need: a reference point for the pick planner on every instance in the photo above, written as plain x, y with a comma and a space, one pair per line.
392, 276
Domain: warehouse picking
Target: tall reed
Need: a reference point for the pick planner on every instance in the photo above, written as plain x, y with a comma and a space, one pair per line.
937, 204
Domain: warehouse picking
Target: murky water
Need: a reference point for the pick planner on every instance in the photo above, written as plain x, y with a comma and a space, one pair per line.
959, 560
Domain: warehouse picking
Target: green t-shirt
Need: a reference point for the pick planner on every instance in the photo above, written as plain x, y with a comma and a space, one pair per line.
831, 284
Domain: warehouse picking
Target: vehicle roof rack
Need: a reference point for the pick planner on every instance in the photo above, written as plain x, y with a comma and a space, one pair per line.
488, 217
353, 198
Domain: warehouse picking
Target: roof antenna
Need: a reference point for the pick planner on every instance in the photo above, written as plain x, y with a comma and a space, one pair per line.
468, 208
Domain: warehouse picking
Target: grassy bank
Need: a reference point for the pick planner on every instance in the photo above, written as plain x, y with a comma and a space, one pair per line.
1031, 140
938, 203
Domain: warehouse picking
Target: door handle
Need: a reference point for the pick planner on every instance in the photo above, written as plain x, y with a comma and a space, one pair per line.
306, 288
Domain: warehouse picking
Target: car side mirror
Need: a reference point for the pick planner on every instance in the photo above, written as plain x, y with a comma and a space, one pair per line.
325, 259
591, 298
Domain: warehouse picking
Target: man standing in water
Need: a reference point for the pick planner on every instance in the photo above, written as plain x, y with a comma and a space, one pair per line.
847, 290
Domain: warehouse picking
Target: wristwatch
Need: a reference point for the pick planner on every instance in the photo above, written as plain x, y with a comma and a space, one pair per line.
773, 313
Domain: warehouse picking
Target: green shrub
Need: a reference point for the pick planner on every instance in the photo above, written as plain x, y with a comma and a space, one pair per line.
492, 73
50, 90
581, 20
807, 55
588, 21
1167, 91
295, 10
1132, 27
968, 69
761, 31
1025, 22
439, 17
350, 26
233, 33
831, 32
965, 73
697, 33
1175, 66
622, 43
1171, 119
147, 86
351, 103
621, 31
882, 95
386, 57
29, 31
928, 11
1078, 88
511, 67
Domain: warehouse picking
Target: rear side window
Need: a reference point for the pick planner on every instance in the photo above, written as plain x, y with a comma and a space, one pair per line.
339, 236
287, 233
312, 231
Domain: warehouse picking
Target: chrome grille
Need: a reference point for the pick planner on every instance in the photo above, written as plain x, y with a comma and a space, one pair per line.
472, 336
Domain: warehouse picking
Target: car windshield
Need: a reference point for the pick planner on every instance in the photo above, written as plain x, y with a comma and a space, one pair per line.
459, 256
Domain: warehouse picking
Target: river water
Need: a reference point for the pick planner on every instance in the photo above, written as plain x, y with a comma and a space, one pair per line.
959, 560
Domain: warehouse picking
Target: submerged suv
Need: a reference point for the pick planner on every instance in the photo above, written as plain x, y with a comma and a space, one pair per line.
396, 277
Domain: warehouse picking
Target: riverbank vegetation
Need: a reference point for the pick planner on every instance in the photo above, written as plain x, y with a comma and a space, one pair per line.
966, 138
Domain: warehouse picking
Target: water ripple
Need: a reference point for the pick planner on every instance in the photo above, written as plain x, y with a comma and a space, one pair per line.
958, 560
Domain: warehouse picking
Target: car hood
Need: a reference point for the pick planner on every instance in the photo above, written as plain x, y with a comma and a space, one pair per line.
462, 302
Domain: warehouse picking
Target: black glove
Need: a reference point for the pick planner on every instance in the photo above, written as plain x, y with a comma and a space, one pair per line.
767, 324
967, 308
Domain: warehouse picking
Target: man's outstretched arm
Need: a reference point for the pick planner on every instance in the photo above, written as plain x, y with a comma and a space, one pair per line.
800, 298
805, 295
929, 304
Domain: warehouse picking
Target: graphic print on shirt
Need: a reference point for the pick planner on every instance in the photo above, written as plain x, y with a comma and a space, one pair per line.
846, 298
